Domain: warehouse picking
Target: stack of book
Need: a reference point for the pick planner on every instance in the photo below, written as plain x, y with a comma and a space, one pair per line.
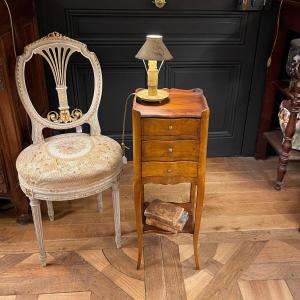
167, 216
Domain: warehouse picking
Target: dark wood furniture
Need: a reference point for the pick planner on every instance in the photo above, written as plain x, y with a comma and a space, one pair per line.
169, 147
14, 125
274, 86
293, 104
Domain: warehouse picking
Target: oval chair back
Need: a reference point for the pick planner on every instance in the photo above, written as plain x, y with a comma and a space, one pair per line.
57, 49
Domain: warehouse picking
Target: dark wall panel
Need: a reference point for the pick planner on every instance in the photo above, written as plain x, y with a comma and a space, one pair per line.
214, 46
195, 28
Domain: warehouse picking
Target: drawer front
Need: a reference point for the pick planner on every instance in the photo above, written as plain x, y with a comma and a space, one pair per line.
169, 169
154, 150
181, 128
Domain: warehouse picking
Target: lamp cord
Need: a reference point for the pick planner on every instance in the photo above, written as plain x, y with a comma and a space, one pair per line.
124, 147
276, 35
160, 66
12, 27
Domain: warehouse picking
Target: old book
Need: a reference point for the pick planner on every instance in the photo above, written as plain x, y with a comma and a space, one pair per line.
175, 228
160, 225
182, 221
165, 212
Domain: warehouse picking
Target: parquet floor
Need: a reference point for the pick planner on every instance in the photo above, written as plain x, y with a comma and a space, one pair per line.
250, 244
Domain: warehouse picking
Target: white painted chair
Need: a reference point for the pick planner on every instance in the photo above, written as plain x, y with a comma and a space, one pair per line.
72, 165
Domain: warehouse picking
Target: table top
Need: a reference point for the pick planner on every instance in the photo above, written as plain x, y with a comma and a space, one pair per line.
180, 104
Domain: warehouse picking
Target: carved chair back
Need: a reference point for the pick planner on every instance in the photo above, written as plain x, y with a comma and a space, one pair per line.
57, 49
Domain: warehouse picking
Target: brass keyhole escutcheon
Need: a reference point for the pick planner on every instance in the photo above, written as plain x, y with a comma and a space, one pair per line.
160, 3
170, 127
170, 149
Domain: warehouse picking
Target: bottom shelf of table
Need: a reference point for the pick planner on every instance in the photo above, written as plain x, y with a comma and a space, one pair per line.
188, 228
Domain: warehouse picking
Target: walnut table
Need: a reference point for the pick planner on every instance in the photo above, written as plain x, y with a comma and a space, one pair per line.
169, 147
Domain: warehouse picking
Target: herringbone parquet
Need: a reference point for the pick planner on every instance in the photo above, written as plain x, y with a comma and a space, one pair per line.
250, 245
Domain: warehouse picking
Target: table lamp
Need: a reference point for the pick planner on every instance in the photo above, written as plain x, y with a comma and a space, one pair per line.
153, 50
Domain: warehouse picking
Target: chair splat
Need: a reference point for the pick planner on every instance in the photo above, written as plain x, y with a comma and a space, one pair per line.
57, 56
57, 49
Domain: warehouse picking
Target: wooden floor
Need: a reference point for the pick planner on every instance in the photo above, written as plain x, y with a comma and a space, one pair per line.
250, 244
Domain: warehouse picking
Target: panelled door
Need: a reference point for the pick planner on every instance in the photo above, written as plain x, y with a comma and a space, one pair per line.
213, 44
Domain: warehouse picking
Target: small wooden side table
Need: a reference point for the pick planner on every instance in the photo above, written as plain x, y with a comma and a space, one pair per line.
169, 147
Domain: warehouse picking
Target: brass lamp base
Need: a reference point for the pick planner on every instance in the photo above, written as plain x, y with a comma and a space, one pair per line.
144, 95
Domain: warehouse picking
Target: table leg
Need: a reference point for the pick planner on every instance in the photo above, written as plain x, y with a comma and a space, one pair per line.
192, 199
138, 203
200, 183
198, 215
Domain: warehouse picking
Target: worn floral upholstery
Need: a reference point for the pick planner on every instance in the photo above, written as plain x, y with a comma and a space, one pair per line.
69, 160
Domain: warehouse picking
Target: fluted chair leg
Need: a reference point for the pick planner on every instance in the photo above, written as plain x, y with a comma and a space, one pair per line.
117, 218
50, 210
99, 202
37, 219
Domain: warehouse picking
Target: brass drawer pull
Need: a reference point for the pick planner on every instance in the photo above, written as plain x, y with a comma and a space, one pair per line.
170, 127
159, 3
169, 170
170, 150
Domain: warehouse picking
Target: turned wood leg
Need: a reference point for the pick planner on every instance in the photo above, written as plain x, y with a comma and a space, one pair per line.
286, 148
290, 129
193, 198
37, 220
99, 202
50, 210
117, 218
281, 170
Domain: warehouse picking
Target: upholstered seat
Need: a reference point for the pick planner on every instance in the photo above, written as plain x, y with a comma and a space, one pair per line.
68, 162
66, 166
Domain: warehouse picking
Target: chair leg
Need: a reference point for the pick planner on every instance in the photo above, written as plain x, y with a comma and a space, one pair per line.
117, 219
50, 210
99, 202
37, 220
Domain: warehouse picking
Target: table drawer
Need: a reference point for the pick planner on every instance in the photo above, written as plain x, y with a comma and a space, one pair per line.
156, 127
154, 150
170, 169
